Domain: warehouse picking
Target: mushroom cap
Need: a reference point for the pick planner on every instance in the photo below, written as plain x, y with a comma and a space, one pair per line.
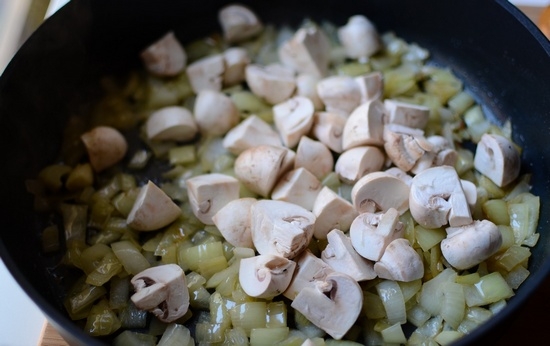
406, 114
308, 51
105, 145
331, 211
380, 191
251, 132
215, 113
233, 221
171, 123
236, 59
309, 270
239, 23
294, 119
165, 57
357, 162
265, 276
206, 73
328, 129
340, 94
404, 145
306, 85
298, 186
365, 126
371, 86
359, 37
314, 156
273, 83
400, 262
497, 158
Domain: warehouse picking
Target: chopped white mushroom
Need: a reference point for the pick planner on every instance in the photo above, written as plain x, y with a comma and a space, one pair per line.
371, 86
371, 233
332, 305
162, 290
470, 191
308, 51
294, 119
340, 94
298, 186
400, 262
328, 128
208, 193
314, 156
441, 154
165, 57
405, 145
215, 113
265, 276
331, 212
359, 38
233, 222
239, 23
236, 59
310, 269
406, 114
152, 210
206, 73
469, 245
437, 198
306, 85
273, 83
399, 173
365, 126
342, 257
281, 228
497, 158
105, 145
172, 123
251, 132
380, 191
357, 162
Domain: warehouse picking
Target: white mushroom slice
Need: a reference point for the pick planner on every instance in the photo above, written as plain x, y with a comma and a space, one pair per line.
371, 86
294, 119
370, 233
471, 244
314, 156
359, 38
497, 158
356, 162
259, 168
405, 145
365, 126
399, 173
380, 191
328, 128
333, 305
239, 23
251, 132
281, 228
215, 113
206, 73
233, 221
400, 262
152, 210
265, 276
306, 85
308, 51
437, 198
441, 154
274, 83
331, 212
470, 191
298, 186
236, 59
208, 193
165, 57
105, 145
309, 270
340, 94
162, 290
406, 114
171, 123
342, 257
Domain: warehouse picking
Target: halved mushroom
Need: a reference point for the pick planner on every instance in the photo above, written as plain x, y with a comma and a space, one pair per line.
162, 290
332, 305
340, 94
215, 113
293, 118
380, 191
309, 270
105, 145
251, 132
497, 158
308, 51
208, 193
371, 86
405, 145
406, 114
298, 186
331, 212
356, 162
314, 156
469, 245
236, 59
265, 276
152, 210
371, 233
281, 228
165, 57
342, 257
306, 85
173, 123
239, 23
365, 126
233, 222
441, 154
359, 38
328, 128
206, 73
400, 262
274, 83
437, 198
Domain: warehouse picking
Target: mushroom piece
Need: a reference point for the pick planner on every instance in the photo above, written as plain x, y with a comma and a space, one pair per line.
365, 126
342, 257
105, 145
340, 94
314, 156
215, 113
308, 51
306, 85
380, 191
233, 222
469, 245
251, 132
437, 198
206, 73
359, 38
239, 23
171, 123
400, 262
371, 233
166, 57
399, 173
281, 228
406, 114
442, 154
309, 270
162, 290
371, 86
298, 186
236, 59
470, 191
332, 305
356, 162
208, 193
152, 210
405, 145
265, 276
328, 128
497, 158
273, 83
331, 212
294, 119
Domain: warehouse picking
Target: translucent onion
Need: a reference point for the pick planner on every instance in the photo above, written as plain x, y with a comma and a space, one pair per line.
393, 301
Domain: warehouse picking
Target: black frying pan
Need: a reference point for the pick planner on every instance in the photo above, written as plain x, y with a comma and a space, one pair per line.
499, 54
